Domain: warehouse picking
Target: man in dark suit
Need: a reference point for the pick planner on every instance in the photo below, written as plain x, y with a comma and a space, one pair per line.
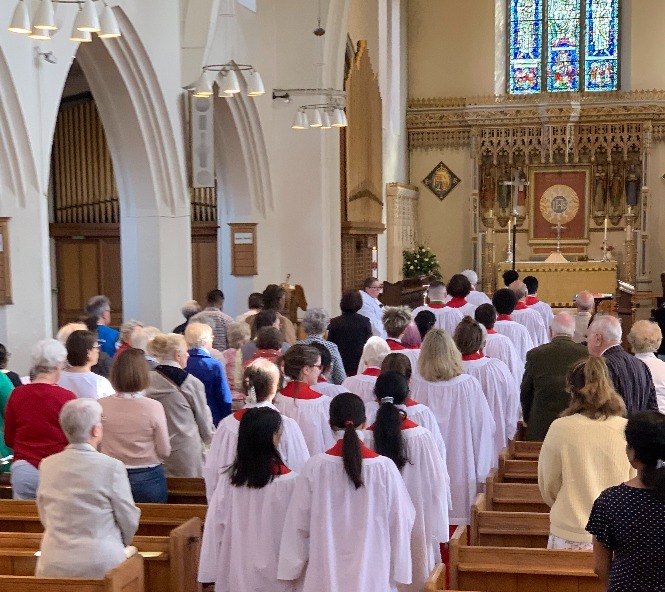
350, 331
631, 377
543, 391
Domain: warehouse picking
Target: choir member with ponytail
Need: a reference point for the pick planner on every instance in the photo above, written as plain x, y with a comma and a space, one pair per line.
260, 383
413, 450
349, 522
246, 514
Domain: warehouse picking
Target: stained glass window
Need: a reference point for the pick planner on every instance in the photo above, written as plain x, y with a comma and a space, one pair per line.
563, 45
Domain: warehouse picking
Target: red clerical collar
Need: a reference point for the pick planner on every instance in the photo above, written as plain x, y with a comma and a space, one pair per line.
371, 371
520, 306
238, 414
437, 304
475, 356
491, 332
321, 378
280, 469
410, 403
457, 302
531, 300
394, 345
407, 424
503, 317
299, 390
336, 450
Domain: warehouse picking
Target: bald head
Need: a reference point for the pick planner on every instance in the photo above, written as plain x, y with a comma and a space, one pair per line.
520, 289
604, 332
584, 301
562, 324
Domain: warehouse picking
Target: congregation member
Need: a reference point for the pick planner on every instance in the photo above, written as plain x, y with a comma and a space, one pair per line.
140, 340
237, 554
126, 333
261, 380
363, 384
82, 355
215, 304
371, 307
349, 521
627, 520
498, 384
135, 429
99, 309
183, 398
238, 335
297, 400
532, 301
188, 310
413, 450
528, 317
4, 360
350, 331
631, 377
32, 428
446, 317
509, 277
67, 329
411, 338
323, 384
103, 365
84, 501
475, 297
543, 391
395, 321
254, 305
496, 345
274, 298
264, 318
205, 318
314, 324
645, 338
583, 453
504, 301
464, 419
659, 318
268, 341
584, 307
208, 370
6, 388
424, 321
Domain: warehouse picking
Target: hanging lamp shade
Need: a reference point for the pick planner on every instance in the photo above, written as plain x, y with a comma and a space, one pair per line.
108, 24
339, 118
297, 121
20, 20
325, 120
80, 36
316, 119
203, 87
40, 34
87, 18
222, 94
45, 17
231, 84
255, 86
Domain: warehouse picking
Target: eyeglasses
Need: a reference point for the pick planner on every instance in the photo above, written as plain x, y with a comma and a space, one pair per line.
96, 346
319, 366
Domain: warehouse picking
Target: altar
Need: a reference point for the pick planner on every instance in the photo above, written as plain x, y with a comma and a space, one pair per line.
559, 282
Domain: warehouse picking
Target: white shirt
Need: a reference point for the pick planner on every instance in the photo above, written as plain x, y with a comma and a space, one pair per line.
657, 368
86, 385
371, 309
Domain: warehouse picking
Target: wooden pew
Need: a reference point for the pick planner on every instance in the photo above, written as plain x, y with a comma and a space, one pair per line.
523, 450
517, 471
507, 529
186, 490
506, 569
126, 577
512, 497
171, 562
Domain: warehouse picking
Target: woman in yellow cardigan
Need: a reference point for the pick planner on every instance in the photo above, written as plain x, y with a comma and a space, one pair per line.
583, 453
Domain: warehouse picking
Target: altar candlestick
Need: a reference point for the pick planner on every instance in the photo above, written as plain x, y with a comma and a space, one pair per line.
605, 234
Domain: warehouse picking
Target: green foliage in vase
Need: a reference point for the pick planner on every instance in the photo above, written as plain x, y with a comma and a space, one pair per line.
420, 261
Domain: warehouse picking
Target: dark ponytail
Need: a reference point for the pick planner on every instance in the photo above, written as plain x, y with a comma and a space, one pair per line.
347, 412
391, 389
645, 434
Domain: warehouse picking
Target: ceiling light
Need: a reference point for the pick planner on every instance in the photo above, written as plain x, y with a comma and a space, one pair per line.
203, 87
80, 36
108, 24
325, 120
222, 94
87, 19
231, 84
40, 34
21, 19
339, 118
316, 119
255, 86
45, 17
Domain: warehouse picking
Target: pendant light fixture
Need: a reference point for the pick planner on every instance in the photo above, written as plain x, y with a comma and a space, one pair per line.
87, 18
108, 24
229, 80
325, 120
45, 16
316, 119
339, 118
80, 36
203, 87
21, 19
255, 86
40, 34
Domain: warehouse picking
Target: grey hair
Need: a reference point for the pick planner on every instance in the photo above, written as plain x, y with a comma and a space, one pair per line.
78, 417
47, 356
238, 334
127, 329
190, 308
645, 337
519, 289
374, 351
142, 336
562, 323
609, 327
471, 275
66, 330
584, 301
204, 318
97, 306
437, 292
315, 321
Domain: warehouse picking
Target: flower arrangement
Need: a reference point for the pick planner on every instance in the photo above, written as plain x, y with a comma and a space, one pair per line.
420, 261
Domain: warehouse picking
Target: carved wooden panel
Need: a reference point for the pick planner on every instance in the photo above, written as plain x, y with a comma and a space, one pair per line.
356, 260
5, 269
402, 225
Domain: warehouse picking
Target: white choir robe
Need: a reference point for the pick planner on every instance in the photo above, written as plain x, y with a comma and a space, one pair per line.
542, 308
518, 334
413, 355
222, 453
363, 384
500, 347
503, 397
328, 389
467, 427
243, 530
426, 480
446, 318
346, 539
476, 297
532, 320
311, 411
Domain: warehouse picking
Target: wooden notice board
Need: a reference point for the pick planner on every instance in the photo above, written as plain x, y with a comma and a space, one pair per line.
5, 271
243, 249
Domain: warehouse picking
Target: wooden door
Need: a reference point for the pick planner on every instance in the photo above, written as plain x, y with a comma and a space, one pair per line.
204, 260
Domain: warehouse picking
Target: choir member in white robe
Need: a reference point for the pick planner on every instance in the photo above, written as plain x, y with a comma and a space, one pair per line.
395, 321
475, 297
499, 386
348, 526
532, 301
323, 384
458, 289
499, 346
529, 317
362, 384
328, 389
297, 400
436, 295
464, 417
504, 302
260, 382
371, 307
245, 518
414, 452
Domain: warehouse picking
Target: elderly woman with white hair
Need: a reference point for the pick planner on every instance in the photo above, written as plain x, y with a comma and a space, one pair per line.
140, 340
645, 338
188, 310
315, 324
475, 297
84, 501
127, 330
362, 384
31, 418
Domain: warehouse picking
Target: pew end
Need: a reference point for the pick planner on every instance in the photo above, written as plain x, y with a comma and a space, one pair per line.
437, 579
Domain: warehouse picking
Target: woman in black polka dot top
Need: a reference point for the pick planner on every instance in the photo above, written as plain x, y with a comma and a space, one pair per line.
628, 521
